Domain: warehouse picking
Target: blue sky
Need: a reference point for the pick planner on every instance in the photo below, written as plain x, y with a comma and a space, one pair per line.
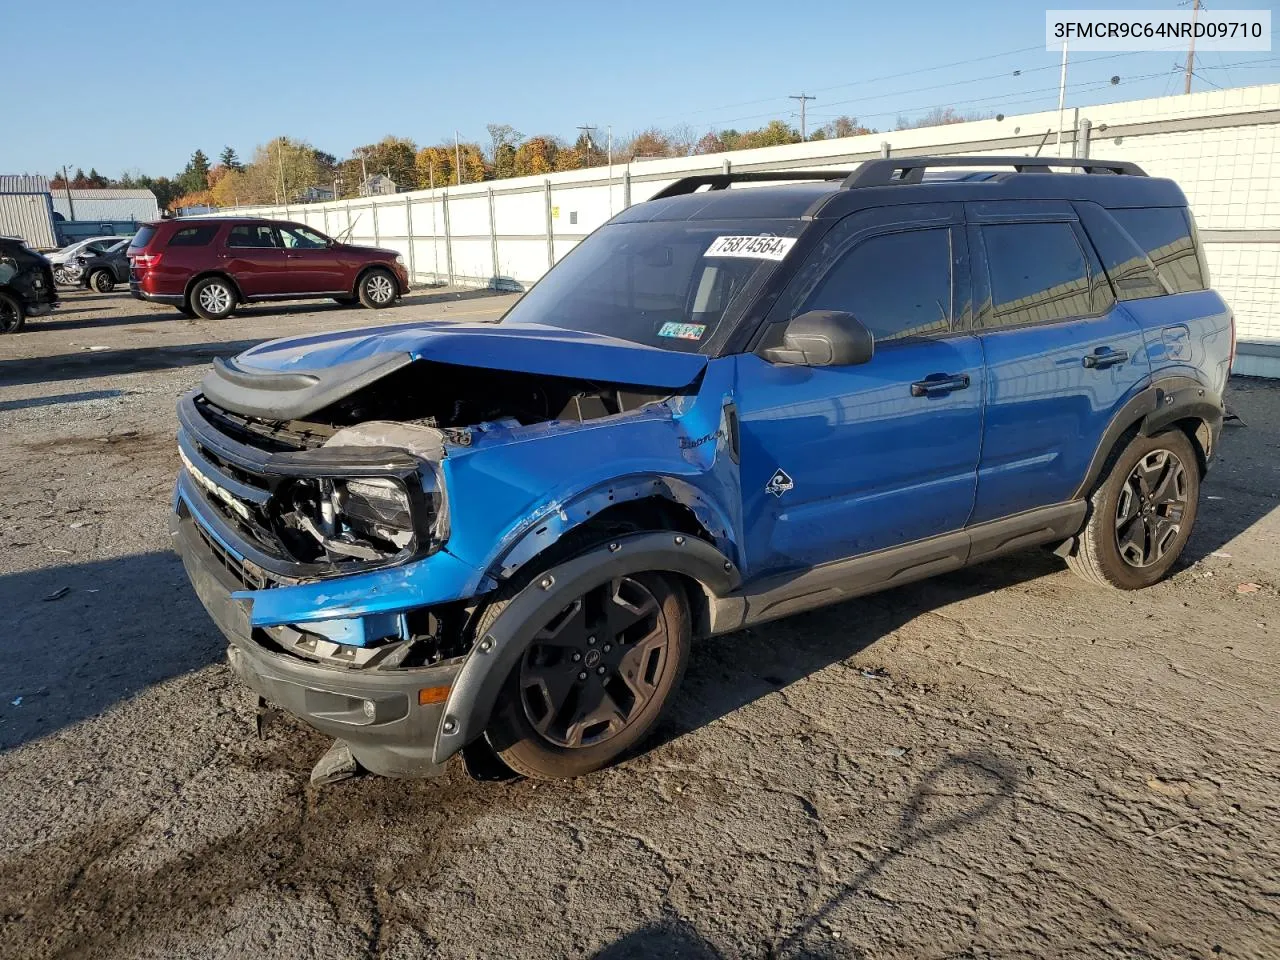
343, 74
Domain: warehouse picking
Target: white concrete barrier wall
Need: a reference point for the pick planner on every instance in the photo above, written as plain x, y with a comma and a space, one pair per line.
1220, 146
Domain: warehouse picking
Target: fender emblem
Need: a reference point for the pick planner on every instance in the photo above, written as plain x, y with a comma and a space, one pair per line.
779, 483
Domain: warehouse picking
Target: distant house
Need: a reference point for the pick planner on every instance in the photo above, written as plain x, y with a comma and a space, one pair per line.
378, 185
316, 195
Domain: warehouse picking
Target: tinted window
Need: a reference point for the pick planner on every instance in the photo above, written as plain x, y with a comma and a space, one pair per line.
1130, 269
300, 238
1038, 274
256, 235
897, 284
142, 237
1165, 234
193, 236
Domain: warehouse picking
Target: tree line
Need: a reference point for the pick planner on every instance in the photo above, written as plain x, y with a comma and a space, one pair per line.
288, 170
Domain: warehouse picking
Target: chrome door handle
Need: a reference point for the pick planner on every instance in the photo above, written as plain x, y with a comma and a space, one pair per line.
937, 383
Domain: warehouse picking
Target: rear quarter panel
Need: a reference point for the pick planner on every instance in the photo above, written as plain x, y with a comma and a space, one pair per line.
1187, 335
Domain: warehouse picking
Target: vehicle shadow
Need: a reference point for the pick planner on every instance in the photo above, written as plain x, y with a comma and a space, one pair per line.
102, 363
121, 626
61, 321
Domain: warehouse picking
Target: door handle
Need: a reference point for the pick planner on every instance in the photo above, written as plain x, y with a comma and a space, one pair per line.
937, 383
1104, 357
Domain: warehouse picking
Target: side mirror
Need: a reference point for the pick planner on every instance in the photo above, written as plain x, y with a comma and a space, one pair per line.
823, 338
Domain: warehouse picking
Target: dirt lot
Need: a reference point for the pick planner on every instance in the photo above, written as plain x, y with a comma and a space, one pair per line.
999, 762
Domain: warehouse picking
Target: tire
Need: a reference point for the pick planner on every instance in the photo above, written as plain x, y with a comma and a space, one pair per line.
614, 692
1140, 514
102, 281
60, 275
377, 289
213, 298
347, 301
12, 314
187, 312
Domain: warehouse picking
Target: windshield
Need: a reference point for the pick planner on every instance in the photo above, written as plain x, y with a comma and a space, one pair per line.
668, 284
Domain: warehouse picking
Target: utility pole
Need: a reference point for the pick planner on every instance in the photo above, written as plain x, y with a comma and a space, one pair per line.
1191, 51
804, 132
587, 131
364, 176
280, 159
1062, 94
66, 182
457, 158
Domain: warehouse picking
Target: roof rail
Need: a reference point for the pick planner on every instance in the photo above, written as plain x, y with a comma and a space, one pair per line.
878, 173
721, 181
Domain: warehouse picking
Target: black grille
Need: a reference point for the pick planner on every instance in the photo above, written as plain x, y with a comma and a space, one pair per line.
251, 578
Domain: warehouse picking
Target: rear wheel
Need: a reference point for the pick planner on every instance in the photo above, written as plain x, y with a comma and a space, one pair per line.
594, 679
12, 315
377, 289
1140, 514
213, 299
102, 281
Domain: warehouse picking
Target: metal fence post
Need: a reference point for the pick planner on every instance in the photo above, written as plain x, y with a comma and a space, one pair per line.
377, 237
327, 231
884, 149
408, 227
493, 240
1082, 139
727, 166
551, 242
448, 241
626, 188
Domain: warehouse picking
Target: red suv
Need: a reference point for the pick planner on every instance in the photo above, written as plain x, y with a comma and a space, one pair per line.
207, 266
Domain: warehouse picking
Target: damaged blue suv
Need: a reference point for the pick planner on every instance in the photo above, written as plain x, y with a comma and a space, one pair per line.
725, 406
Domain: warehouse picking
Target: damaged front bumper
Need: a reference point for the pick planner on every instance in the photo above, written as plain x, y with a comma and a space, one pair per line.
390, 718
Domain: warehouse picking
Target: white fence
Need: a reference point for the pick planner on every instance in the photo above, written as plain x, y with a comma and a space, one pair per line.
1220, 146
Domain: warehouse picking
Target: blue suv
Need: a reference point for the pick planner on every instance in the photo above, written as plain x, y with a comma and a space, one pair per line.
725, 406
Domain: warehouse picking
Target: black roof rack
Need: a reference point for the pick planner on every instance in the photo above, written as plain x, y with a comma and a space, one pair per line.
721, 181
905, 170
878, 173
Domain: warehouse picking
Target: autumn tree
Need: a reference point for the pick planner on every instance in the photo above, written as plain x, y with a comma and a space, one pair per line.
648, 144
433, 167
504, 139
536, 155
393, 156
710, 142
941, 117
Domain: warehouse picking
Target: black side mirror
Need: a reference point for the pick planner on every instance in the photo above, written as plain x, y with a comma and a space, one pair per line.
823, 338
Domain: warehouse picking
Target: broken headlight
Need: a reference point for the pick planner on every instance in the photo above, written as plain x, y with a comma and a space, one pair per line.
362, 519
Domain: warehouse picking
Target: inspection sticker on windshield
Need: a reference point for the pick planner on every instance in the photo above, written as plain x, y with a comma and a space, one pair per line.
683, 331
755, 248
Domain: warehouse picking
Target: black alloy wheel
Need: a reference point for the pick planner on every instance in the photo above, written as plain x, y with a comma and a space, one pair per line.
1150, 508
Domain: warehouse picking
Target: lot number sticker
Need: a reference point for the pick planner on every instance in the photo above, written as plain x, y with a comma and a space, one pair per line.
754, 248
683, 331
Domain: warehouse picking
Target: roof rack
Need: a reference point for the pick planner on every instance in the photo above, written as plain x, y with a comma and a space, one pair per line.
721, 181
879, 173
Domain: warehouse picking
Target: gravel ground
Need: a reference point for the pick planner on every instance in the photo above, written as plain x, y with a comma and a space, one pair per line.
1003, 761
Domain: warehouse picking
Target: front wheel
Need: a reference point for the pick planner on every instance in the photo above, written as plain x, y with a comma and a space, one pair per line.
377, 289
60, 275
12, 316
595, 678
1140, 514
213, 299
102, 281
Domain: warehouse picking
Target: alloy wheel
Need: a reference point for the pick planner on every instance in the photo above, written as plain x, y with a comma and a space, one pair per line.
379, 288
1150, 508
215, 298
10, 317
589, 673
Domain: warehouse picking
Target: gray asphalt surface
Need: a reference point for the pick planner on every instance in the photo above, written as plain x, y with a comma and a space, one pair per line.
1004, 761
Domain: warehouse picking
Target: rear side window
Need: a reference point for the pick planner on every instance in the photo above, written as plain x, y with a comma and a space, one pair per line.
256, 235
143, 237
1038, 274
1164, 233
193, 236
897, 284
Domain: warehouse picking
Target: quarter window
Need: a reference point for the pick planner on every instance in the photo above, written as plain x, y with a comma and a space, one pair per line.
252, 236
1165, 234
897, 284
1038, 274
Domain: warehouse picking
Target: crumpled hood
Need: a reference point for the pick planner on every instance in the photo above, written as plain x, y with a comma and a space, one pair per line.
293, 377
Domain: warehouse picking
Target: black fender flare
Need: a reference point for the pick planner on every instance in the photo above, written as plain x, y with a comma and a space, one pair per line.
1151, 410
475, 691
186, 291
376, 265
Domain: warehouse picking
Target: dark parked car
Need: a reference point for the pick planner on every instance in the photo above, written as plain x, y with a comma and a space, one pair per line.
724, 406
103, 271
26, 285
207, 266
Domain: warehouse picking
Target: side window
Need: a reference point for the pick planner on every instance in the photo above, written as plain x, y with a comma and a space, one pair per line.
193, 236
1127, 264
1038, 273
255, 235
300, 238
897, 284
1164, 233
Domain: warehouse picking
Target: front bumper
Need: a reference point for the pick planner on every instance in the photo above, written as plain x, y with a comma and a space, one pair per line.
375, 712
